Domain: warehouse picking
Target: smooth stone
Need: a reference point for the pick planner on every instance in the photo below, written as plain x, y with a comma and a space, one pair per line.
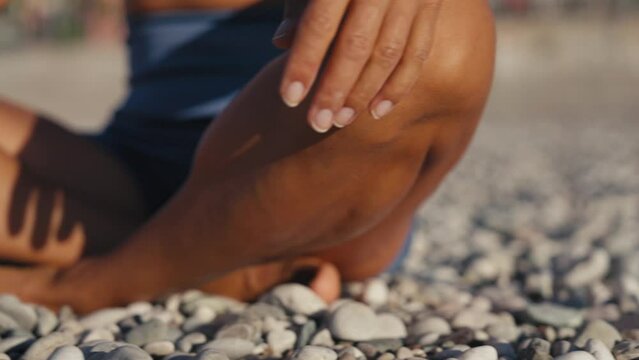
233, 348
352, 352
7, 323
472, 319
594, 268
601, 330
626, 350
560, 347
202, 316
218, 304
4, 356
45, 346
576, 355
404, 353
67, 353
386, 356
598, 349
103, 318
101, 346
480, 353
375, 292
281, 341
346, 356
314, 353
187, 342
160, 348
210, 355
298, 299
261, 311
128, 352
148, 332
503, 331
431, 325
238, 331
353, 321
390, 326
305, 333
47, 321
323, 338
384, 345
139, 308
24, 315
98, 334
554, 315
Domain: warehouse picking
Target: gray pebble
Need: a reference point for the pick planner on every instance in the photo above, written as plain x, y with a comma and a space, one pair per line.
233, 348
24, 315
305, 333
261, 310
554, 315
128, 352
238, 331
187, 342
160, 348
67, 353
45, 346
7, 323
103, 318
390, 326
598, 329
353, 321
148, 332
98, 334
47, 321
280, 341
314, 353
297, 299
431, 325
323, 338
404, 353
598, 349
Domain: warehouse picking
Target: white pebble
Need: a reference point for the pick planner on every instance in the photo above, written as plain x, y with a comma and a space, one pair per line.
67, 353
480, 353
576, 355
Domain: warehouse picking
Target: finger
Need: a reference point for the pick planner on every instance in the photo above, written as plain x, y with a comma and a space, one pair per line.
386, 55
410, 67
315, 33
352, 50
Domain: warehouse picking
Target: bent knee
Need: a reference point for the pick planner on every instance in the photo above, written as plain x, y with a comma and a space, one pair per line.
457, 77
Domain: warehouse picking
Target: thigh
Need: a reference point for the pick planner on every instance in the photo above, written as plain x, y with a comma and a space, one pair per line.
61, 196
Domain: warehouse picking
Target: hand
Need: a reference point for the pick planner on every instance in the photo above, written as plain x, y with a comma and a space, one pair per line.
378, 48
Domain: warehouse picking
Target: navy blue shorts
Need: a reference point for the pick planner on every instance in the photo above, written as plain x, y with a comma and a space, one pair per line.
185, 68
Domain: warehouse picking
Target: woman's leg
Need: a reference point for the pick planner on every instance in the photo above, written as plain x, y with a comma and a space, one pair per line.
267, 187
60, 195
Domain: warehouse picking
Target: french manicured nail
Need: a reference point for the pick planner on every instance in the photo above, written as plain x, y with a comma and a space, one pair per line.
282, 30
382, 109
323, 121
344, 117
294, 94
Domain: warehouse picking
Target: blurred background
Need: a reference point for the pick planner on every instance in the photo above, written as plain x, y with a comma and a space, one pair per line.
556, 157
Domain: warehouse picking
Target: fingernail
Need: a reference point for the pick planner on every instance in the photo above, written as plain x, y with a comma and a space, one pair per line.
294, 94
382, 109
323, 121
344, 117
282, 29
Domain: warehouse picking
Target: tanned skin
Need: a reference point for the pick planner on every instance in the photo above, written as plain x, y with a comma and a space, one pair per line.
266, 196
